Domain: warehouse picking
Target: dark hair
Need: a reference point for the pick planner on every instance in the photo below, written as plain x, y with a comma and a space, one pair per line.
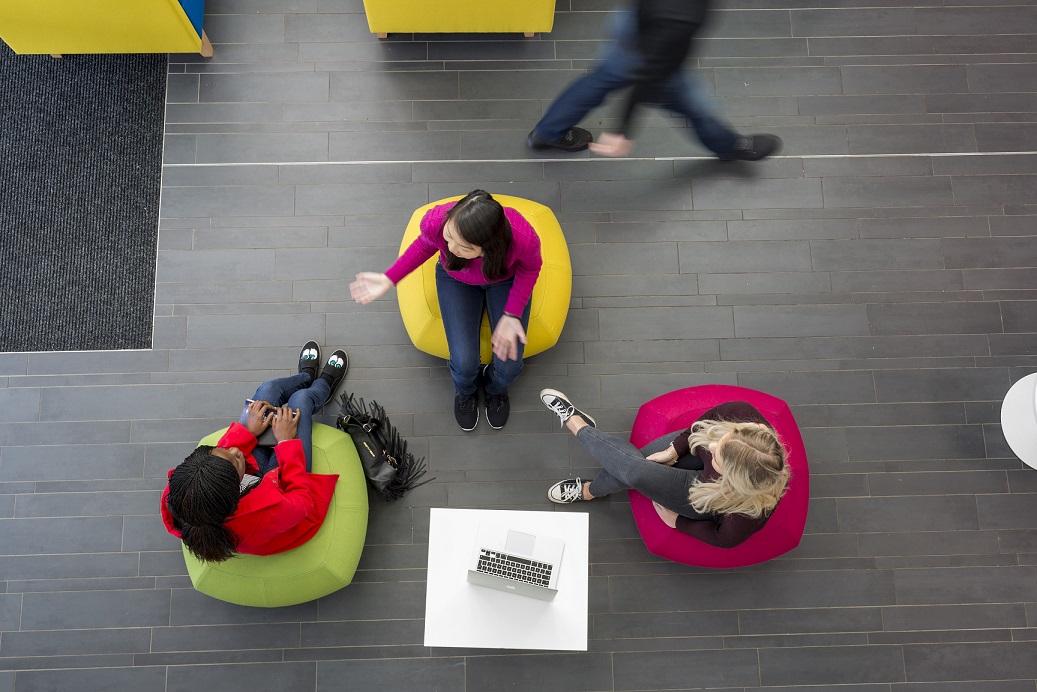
203, 492
481, 222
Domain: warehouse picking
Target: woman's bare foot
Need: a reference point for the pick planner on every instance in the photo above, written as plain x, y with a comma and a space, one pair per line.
574, 423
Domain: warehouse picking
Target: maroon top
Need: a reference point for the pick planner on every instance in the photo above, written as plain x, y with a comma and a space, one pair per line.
724, 530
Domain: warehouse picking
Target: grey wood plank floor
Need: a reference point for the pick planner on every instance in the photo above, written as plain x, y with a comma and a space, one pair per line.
879, 276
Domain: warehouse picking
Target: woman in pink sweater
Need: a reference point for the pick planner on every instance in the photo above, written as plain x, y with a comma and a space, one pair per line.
489, 257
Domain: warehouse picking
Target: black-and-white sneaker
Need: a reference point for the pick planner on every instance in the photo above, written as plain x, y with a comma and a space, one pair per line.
560, 404
564, 492
309, 359
334, 371
498, 406
466, 411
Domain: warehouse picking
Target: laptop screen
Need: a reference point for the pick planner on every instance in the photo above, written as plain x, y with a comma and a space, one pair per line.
519, 543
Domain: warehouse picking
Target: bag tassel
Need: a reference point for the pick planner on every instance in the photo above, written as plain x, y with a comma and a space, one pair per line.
373, 418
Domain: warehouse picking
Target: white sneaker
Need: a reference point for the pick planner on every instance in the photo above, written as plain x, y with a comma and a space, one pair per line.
564, 492
560, 404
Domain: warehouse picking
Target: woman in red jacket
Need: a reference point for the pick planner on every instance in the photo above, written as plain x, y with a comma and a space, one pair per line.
238, 497
718, 481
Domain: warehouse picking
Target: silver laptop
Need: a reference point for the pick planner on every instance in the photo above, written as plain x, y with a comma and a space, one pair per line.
516, 561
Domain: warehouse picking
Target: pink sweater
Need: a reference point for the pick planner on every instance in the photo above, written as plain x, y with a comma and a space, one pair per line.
523, 261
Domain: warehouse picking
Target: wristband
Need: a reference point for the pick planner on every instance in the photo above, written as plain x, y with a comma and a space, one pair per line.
508, 314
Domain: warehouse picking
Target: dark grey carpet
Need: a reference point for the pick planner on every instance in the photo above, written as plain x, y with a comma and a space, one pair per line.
80, 165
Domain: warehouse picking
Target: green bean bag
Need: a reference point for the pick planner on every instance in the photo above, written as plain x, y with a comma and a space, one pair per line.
322, 565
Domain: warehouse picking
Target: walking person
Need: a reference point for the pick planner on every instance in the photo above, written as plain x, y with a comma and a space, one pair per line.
718, 481
651, 41
489, 257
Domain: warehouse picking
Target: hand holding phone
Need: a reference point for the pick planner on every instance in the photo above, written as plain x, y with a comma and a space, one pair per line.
258, 416
286, 423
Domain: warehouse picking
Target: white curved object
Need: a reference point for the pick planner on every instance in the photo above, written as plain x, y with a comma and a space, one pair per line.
1019, 419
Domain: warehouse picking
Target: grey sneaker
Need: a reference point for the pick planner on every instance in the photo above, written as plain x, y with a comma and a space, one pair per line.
567, 491
560, 404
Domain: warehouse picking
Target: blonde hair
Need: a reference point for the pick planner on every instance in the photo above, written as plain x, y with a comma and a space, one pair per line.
755, 474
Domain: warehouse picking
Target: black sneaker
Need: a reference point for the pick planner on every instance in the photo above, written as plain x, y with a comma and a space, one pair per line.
309, 359
575, 139
335, 371
564, 492
754, 148
560, 404
466, 411
498, 406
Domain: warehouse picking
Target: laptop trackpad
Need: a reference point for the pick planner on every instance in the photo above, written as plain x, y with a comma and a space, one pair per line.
519, 543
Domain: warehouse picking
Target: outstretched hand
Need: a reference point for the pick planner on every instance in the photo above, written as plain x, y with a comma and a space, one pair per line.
506, 336
613, 145
286, 423
258, 420
369, 286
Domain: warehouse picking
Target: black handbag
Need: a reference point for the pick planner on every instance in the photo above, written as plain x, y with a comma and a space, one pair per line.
390, 468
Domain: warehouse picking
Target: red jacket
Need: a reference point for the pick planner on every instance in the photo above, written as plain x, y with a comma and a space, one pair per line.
280, 513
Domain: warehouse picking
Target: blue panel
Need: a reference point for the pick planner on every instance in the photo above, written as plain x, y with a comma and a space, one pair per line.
195, 10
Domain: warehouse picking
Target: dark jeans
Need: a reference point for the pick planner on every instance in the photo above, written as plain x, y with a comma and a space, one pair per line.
462, 306
297, 392
623, 467
678, 93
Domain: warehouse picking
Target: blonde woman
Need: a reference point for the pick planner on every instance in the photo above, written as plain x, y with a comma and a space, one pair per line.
718, 481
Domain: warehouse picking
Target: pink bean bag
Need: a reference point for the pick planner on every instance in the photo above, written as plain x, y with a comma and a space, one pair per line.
674, 412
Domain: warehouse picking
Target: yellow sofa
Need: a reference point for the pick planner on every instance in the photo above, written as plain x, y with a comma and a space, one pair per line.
419, 302
459, 16
104, 26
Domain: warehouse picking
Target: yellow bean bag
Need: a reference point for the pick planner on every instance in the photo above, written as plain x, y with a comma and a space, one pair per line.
419, 302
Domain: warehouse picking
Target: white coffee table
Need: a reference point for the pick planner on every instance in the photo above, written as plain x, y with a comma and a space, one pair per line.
459, 614
1019, 419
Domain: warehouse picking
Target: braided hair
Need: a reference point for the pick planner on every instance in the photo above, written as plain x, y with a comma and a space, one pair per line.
203, 493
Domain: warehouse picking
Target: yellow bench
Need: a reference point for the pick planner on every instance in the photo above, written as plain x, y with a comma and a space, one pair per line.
419, 301
459, 16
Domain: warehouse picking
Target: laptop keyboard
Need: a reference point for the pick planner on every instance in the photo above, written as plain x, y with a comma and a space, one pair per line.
512, 567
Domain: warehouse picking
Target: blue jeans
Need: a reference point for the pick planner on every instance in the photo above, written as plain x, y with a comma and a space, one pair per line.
615, 71
623, 467
462, 305
297, 392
